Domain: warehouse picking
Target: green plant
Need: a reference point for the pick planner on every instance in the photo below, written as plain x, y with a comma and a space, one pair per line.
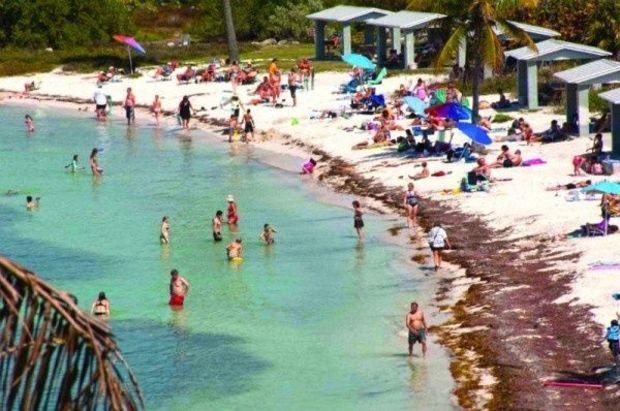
289, 20
502, 118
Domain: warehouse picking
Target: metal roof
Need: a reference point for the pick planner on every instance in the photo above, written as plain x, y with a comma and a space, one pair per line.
343, 14
552, 49
535, 31
613, 96
598, 71
406, 20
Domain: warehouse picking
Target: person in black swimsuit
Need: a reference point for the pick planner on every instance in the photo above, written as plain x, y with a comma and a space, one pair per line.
101, 306
185, 111
358, 222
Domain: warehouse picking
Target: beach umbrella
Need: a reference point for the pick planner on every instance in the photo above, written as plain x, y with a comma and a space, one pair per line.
603, 187
131, 43
454, 111
477, 134
359, 61
415, 104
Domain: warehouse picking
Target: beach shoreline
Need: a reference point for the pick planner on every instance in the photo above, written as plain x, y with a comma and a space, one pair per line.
504, 340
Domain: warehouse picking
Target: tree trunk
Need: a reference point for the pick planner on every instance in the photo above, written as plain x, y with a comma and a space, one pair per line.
231, 37
475, 90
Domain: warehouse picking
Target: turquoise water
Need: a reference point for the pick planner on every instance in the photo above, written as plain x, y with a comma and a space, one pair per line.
314, 322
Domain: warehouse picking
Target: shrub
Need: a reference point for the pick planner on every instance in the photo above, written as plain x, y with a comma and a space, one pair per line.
502, 118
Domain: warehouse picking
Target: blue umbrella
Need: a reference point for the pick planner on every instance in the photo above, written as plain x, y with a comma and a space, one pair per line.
477, 134
454, 111
359, 61
604, 187
416, 105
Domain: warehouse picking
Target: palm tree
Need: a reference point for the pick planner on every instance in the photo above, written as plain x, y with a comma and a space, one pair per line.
475, 22
53, 355
231, 37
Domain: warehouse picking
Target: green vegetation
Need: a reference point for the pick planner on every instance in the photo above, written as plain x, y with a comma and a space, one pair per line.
502, 118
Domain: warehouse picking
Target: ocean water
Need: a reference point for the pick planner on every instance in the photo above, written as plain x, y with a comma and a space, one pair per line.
314, 322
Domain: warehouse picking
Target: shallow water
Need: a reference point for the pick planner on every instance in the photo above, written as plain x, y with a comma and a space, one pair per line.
315, 322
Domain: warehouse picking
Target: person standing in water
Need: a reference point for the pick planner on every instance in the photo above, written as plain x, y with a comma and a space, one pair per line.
410, 202
217, 226
358, 221
185, 112
179, 287
416, 325
101, 306
164, 231
267, 236
32, 204
74, 165
234, 249
130, 103
438, 240
156, 109
94, 164
233, 217
29, 123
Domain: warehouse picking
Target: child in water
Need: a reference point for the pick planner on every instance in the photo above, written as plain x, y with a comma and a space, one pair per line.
29, 123
358, 222
268, 234
73, 166
32, 204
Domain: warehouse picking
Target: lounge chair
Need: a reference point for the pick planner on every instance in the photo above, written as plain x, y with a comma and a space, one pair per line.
379, 78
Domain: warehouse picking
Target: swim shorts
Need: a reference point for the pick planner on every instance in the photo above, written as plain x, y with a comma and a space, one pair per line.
176, 299
217, 236
417, 336
249, 128
433, 248
101, 106
129, 113
293, 90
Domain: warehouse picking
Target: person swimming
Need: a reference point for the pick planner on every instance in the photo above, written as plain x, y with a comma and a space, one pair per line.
164, 231
234, 249
217, 226
101, 306
74, 166
32, 204
267, 236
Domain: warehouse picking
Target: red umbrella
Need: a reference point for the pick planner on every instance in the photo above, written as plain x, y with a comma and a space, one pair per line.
131, 43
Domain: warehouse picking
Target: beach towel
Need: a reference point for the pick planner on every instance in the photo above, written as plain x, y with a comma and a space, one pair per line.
533, 162
604, 265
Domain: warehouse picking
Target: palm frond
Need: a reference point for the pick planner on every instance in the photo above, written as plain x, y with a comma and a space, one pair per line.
491, 48
53, 355
450, 49
505, 7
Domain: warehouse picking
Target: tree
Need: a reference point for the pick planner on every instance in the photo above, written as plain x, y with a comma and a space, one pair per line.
53, 355
474, 22
231, 37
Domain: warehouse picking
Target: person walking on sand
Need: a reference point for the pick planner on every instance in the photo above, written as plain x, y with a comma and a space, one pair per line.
101, 306
612, 336
248, 126
185, 112
416, 326
437, 240
179, 287
129, 105
293, 81
358, 221
94, 164
217, 226
410, 202
156, 108
164, 231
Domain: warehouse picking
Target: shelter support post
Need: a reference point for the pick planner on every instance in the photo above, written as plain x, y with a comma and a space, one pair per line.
381, 45
532, 85
346, 39
615, 130
577, 100
461, 54
319, 40
396, 40
522, 82
410, 50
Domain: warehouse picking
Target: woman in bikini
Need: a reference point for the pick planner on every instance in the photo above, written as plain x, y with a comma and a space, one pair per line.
410, 202
164, 231
101, 306
94, 164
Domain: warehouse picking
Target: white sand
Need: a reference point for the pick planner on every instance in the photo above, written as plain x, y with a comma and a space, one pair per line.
521, 204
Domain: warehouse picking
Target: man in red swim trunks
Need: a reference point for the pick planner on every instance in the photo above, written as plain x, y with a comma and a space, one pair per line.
179, 287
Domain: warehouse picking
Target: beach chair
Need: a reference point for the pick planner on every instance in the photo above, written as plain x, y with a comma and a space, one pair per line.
379, 78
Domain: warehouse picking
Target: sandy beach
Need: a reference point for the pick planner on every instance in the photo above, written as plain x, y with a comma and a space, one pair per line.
526, 301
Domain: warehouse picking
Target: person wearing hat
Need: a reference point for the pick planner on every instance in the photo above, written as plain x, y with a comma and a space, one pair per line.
233, 217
